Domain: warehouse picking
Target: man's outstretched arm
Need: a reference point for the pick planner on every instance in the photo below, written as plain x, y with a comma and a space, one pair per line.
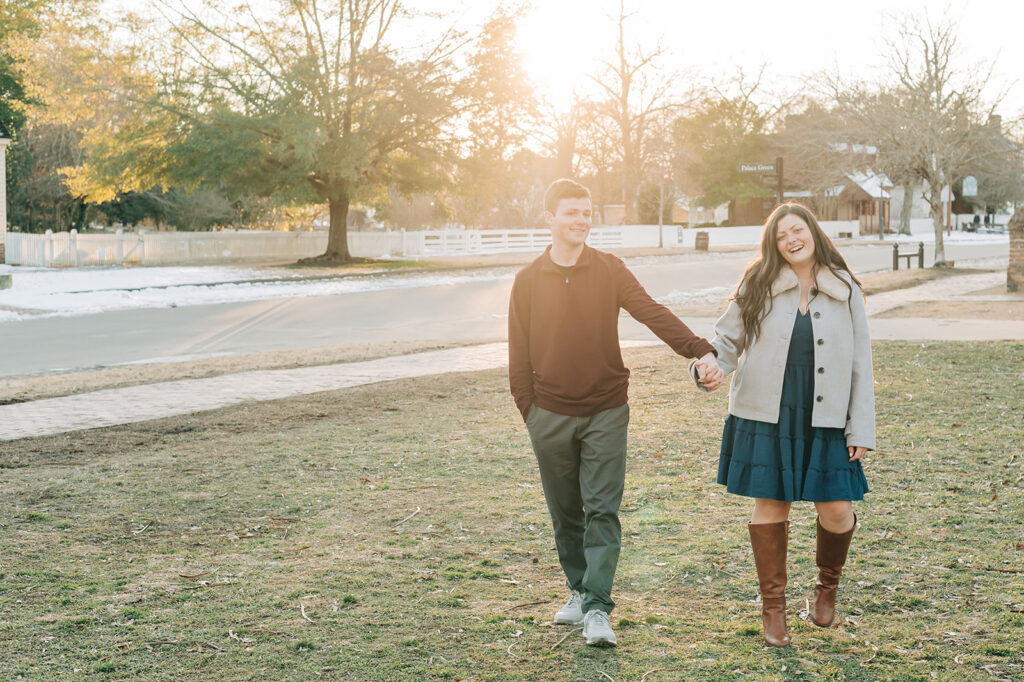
635, 300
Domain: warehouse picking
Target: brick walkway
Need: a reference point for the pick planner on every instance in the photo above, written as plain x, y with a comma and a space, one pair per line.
131, 404
154, 401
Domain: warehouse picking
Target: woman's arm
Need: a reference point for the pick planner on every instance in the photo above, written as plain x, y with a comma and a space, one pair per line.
860, 420
729, 338
728, 342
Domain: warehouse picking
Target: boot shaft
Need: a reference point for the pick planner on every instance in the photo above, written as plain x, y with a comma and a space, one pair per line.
770, 542
832, 548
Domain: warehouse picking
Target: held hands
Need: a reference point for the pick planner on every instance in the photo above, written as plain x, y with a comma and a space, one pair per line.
709, 373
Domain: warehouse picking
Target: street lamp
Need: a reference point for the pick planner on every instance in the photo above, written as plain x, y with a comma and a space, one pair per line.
5, 139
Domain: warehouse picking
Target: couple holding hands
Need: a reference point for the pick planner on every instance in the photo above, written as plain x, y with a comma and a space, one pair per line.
801, 404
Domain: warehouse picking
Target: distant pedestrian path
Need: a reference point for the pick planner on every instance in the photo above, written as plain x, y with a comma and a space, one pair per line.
132, 404
937, 290
114, 406
167, 399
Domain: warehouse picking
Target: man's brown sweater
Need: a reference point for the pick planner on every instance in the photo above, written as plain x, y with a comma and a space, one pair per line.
563, 333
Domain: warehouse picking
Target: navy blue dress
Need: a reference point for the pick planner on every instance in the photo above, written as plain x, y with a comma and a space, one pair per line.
791, 460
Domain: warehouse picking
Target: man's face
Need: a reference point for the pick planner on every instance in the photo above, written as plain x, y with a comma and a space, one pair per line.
570, 223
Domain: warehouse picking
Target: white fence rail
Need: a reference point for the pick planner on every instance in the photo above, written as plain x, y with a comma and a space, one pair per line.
70, 249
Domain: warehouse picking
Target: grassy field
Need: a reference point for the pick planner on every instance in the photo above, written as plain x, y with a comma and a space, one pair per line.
398, 532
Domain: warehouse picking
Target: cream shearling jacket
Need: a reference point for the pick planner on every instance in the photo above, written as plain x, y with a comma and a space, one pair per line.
844, 395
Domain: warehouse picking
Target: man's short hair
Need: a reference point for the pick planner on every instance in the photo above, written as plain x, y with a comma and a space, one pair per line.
563, 188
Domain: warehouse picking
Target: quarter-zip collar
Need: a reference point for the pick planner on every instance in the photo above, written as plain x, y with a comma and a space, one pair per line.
585, 260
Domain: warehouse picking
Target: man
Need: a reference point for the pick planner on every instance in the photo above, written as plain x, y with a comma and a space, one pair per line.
568, 380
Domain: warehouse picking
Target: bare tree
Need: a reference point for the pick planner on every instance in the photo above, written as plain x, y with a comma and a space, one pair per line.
931, 121
597, 151
822, 148
634, 93
560, 134
1000, 171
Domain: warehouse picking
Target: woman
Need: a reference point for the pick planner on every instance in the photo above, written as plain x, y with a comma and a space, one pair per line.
801, 406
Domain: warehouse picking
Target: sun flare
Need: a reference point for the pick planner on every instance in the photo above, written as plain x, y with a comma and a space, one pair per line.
562, 44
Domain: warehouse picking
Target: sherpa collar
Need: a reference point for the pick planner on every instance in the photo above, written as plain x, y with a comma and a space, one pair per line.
827, 283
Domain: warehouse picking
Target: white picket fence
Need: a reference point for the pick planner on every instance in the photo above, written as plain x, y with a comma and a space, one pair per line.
464, 242
70, 249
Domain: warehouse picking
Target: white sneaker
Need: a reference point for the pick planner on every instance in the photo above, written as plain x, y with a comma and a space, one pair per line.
572, 612
597, 628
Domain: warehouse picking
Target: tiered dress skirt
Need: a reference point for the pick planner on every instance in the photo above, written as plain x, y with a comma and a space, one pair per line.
791, 460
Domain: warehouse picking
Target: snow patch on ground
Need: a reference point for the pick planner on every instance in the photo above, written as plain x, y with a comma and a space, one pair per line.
66, 280
44, 292
709, 295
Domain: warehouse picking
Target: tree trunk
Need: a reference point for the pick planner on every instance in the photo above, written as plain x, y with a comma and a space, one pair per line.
83, 212
337, 240
566, 147
628, 200
630, 182
938, 207
907, 207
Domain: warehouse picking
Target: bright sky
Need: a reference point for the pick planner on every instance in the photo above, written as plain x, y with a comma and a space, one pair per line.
564, 40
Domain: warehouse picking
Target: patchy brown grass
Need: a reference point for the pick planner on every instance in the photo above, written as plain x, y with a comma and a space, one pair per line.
398, 532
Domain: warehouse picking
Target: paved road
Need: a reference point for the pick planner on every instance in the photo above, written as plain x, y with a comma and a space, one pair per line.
153, 401
464, 312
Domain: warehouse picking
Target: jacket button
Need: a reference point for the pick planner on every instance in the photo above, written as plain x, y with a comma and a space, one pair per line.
821, 370
819, 398
817, 315
821, 342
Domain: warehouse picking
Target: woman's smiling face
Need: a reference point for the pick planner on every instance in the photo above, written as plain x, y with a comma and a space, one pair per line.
794, 240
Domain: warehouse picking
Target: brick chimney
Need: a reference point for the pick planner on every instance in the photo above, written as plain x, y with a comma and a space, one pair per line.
1015, 269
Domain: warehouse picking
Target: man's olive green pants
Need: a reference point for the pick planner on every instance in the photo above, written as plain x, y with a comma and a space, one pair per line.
583, 469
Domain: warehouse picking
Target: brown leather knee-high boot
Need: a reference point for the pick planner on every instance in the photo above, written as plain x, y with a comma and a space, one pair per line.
770, 541
830, 557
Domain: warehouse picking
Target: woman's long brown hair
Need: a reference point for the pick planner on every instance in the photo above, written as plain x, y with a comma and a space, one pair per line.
753, 294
